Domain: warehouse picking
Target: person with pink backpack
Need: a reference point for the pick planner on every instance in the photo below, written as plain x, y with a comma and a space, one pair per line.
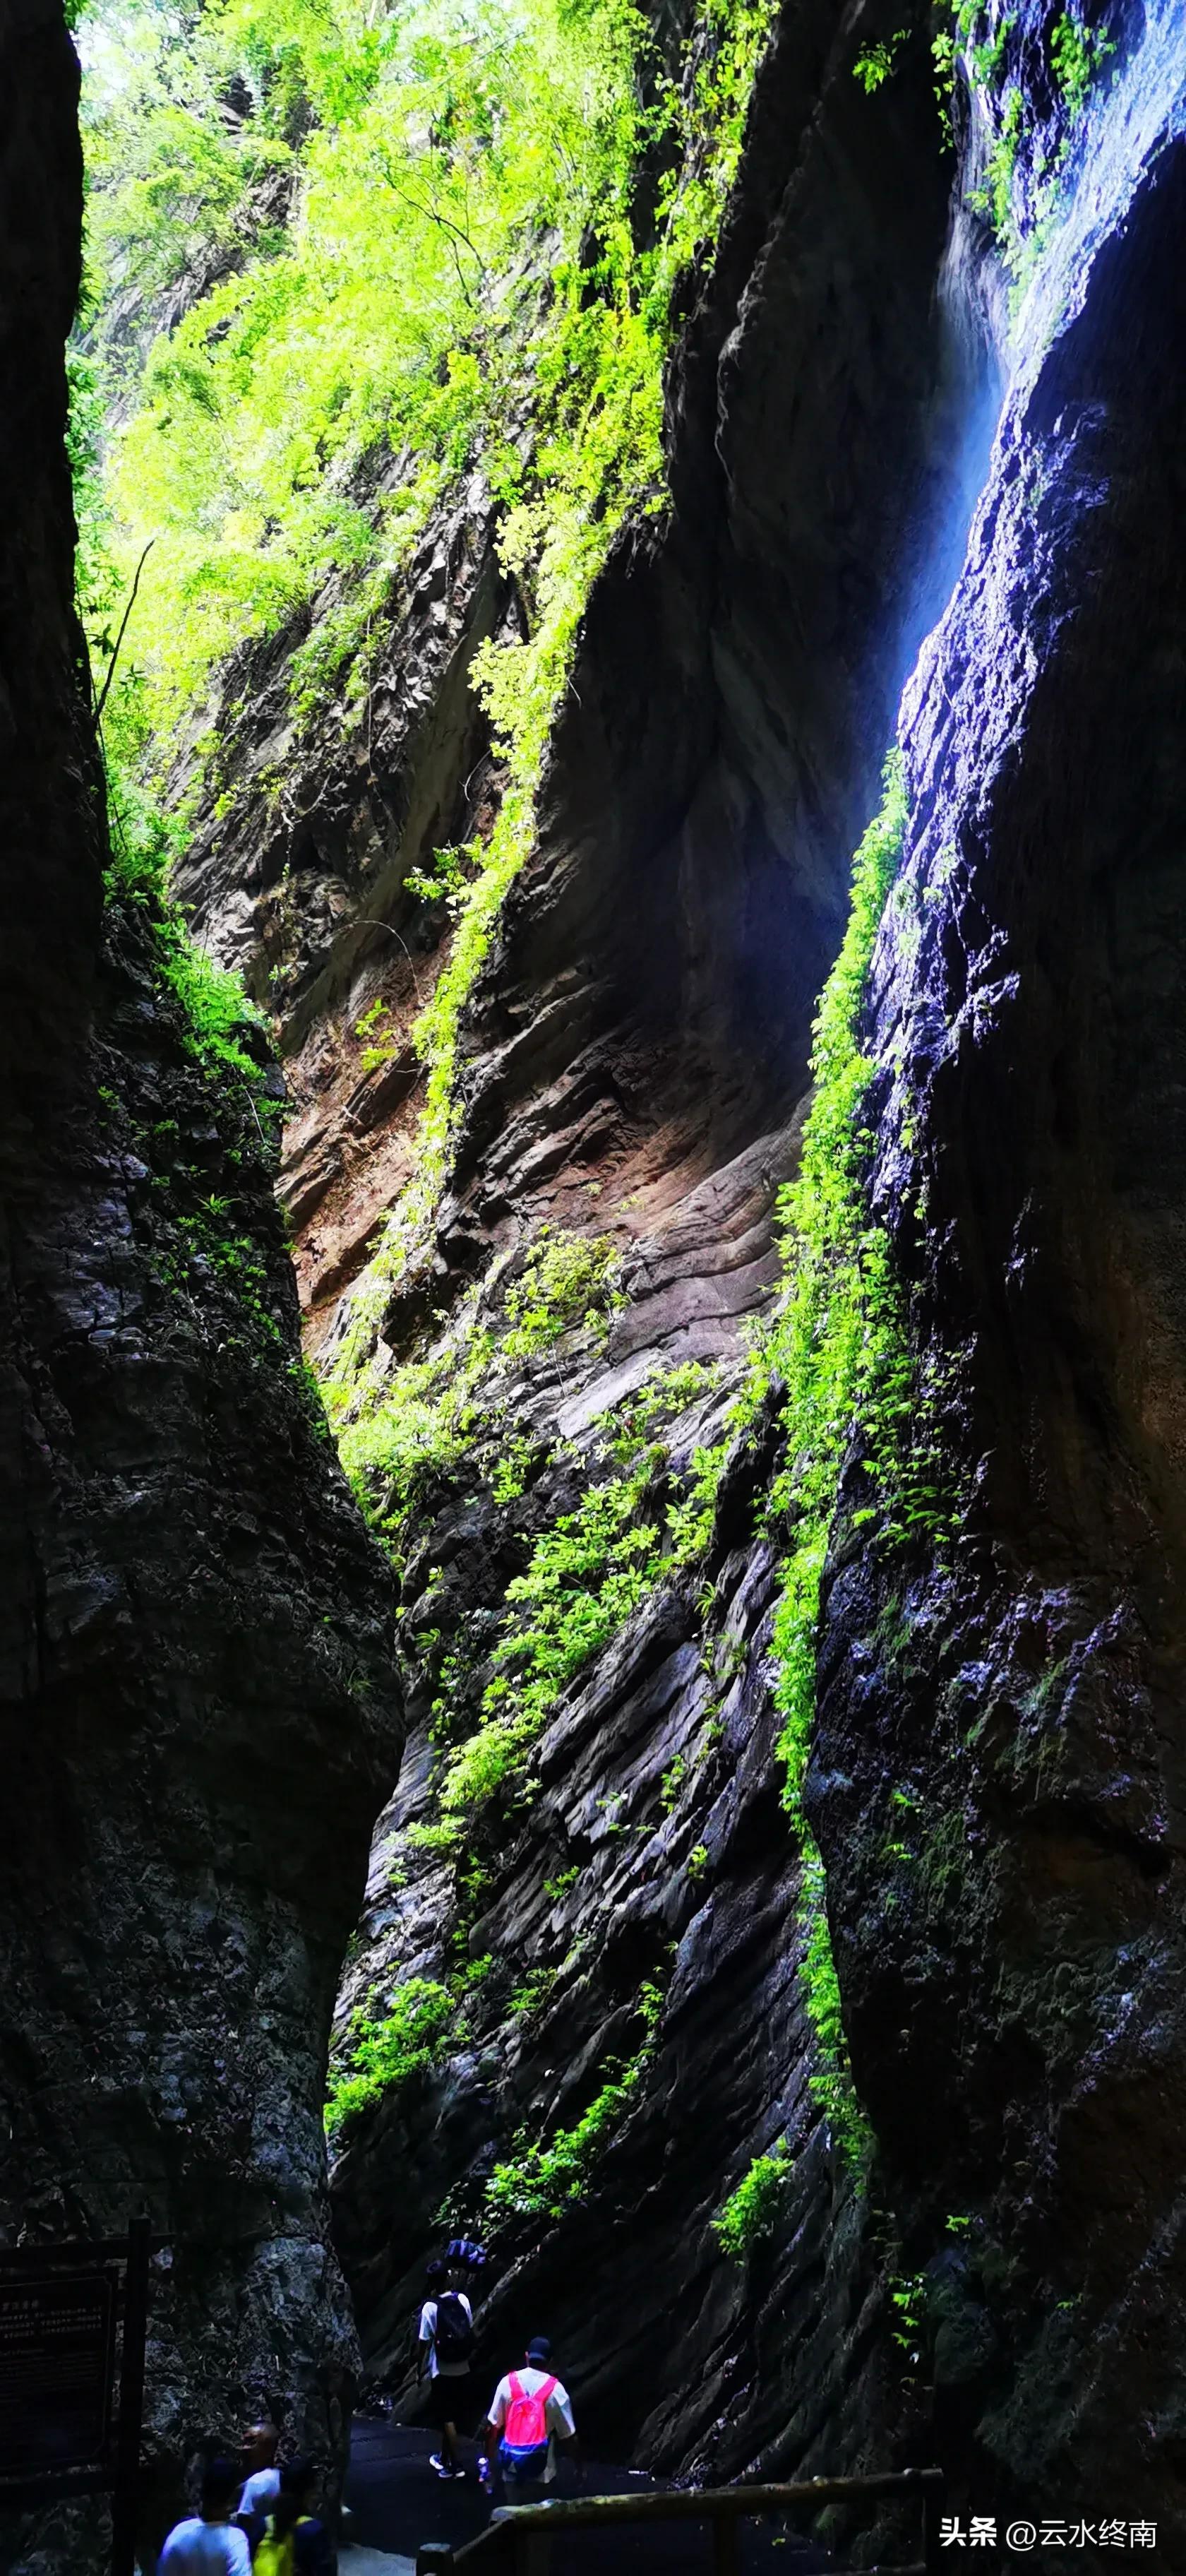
530, 2418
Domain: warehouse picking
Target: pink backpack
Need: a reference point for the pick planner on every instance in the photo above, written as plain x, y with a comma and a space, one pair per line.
524, 2446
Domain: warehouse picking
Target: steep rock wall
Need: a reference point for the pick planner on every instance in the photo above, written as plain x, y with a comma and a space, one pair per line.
199, 1711
1024, 1952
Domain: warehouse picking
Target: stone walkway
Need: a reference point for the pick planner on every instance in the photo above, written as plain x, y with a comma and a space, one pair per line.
373, 2562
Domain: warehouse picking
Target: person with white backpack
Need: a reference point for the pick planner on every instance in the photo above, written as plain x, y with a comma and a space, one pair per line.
531, 2420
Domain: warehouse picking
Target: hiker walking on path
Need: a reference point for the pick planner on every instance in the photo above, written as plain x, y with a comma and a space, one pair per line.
446, 2345
290, 2539
206, 2544
530, 2418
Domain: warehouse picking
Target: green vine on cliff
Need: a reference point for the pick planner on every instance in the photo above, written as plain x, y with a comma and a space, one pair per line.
839, 1346
1020, 194
540, 2181
382, 2051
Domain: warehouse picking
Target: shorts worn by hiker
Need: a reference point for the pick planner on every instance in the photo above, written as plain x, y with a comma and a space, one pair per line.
529, 2407
453, 2399
447, 2327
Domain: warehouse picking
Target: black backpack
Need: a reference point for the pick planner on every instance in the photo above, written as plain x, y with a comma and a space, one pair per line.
454, 2334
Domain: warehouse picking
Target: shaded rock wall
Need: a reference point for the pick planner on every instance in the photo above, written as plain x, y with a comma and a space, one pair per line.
199, 1715
1025, 1954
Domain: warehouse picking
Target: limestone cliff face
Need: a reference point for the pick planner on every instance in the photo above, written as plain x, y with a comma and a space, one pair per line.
194, 1627
995, 1770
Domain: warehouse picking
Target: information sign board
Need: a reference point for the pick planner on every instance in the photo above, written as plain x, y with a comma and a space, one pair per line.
57, 2372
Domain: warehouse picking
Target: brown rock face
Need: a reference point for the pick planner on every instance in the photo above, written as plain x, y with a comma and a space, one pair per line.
199, 1716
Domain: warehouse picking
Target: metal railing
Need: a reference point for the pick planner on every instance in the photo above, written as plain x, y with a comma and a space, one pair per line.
520, 2537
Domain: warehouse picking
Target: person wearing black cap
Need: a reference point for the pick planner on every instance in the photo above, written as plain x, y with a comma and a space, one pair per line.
530, 2418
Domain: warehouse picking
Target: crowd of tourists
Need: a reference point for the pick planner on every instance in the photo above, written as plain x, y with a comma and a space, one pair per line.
255, 2520
260, 2518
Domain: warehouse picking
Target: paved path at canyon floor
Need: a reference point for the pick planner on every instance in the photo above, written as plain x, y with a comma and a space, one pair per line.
398, 2502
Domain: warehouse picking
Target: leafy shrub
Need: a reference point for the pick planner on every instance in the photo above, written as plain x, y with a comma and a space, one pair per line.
751, 2212
567, 1279
1077, 53
874, 65
410, 2037
541, 2182
587, 1574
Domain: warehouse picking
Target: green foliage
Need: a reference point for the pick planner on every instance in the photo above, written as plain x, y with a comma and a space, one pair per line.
587, 1574
380, 2053
906, 2293
555, 1888
382, 1045
690, 1519
875, 65
567, 1279
751, 2213
542, 2182
447, 876
510, 1470
365, 236
839, 1346
419, 1424
216, 1008
590, 1569
672, 1782
636, 1418
830, 2082
216, 1012
432, 1416
533, 1994
441, 1836
1077, 53
995, 198
570, 102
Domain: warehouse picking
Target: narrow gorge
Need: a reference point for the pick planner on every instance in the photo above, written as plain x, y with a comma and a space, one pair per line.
594, 1259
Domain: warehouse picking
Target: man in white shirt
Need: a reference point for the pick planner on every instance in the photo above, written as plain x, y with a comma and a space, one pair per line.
261, 2485
207, 2544
531, 2415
